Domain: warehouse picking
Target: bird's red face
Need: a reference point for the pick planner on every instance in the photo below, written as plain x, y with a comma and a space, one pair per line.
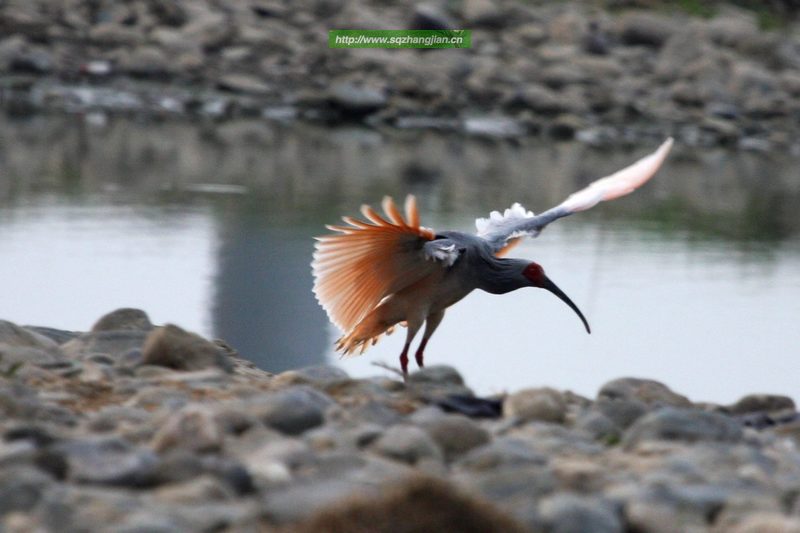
535, 274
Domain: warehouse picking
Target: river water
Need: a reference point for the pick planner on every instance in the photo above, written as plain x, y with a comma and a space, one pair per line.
693, 281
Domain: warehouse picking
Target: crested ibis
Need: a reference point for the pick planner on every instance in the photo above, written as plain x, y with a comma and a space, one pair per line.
371, 275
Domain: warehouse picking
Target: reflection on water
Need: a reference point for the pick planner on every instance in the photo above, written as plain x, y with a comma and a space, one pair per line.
695, 280
262, 301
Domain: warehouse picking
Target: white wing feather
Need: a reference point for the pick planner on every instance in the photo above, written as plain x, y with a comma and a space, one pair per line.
497, 223
517, 222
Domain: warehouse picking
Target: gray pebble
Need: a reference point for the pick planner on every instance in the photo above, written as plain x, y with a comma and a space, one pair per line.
502, 452
687, 425
17, 336
622, 412
192, 428
569, 513
599, 426
437, 375
753, 403
111, 343
408, 444
544, 404
647, 391
455, 434
21, 488
173, 347
123, 319
293, 410
107, 461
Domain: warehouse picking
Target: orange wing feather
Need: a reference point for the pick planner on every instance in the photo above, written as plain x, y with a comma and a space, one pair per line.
364, 262
510, 244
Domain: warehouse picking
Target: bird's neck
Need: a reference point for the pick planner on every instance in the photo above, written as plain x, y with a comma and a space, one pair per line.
503, 275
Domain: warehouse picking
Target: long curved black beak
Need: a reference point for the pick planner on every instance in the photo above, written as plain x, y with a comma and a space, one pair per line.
552, 287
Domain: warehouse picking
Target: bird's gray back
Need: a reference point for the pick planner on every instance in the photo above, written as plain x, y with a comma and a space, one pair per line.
474, 252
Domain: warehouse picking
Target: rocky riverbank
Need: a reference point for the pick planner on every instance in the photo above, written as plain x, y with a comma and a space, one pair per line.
131, 427
563, 69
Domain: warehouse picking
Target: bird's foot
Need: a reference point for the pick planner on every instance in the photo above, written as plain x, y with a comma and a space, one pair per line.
419, 356
404, 363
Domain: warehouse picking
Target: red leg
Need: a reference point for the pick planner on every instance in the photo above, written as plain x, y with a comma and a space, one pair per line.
404, 359
419, 356
432, 322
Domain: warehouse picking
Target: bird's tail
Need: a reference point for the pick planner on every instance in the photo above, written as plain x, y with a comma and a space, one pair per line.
367, 333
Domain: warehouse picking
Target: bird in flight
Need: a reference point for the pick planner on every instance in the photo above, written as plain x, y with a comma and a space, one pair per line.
371, 275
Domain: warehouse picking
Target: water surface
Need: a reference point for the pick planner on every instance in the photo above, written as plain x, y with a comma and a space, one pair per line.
694, 280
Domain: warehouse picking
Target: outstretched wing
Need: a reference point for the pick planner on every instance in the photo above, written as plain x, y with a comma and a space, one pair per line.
363, 262
504, 231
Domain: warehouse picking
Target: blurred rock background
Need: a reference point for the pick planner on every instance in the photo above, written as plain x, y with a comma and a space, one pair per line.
711, 72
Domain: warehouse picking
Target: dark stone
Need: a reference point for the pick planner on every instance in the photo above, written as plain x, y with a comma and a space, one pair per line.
300, 501
54, 463
356, 101
436, 375
32, 61
472, 406
13, 357
17, 336
127, 319
231, 472
502, 452
244, 84
687, 425
564, 127
408, 444
177, 467
115, 344
645, 390
538, 99
39, 436
175, 348
147, 62
107, 461
723, 110
429, 17
293, 410
599, 426
541, 404
753, 403
21, 488
595, 41
487, 14
21, 402
169, 13
648, 29
507, 484
59, 336
455, 434
322, 373
568, 513
375, 412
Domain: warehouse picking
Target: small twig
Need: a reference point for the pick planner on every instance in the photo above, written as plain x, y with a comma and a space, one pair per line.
385, 366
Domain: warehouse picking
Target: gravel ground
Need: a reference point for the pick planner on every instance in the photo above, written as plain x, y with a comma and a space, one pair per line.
135, 427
